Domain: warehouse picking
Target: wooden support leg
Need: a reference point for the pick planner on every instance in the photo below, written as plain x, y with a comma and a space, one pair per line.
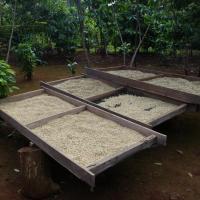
36, 180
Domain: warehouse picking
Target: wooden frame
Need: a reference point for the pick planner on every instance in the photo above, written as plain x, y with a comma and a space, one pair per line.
181, 108
87, 174
146, 87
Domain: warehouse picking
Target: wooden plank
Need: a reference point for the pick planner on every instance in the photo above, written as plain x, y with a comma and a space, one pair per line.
53, 117
181, 109
158, 90
112, 160
161, 139
22, 96
82, 173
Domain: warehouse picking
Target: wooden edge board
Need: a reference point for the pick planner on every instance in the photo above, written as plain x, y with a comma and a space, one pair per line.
65, 79
88, 102
158, 90
179, 110
50, 118
82, 173
161, 139
112, 160
22, 96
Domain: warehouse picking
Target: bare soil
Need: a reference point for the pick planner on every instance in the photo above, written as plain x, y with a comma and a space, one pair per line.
164, 173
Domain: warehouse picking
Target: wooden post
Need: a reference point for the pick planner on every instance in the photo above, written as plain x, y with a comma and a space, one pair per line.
35, 173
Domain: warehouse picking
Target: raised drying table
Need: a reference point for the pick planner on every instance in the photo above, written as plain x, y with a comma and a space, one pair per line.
164, 92
42, 133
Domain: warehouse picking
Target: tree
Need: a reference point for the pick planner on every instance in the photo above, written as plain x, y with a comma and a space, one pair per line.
12, 31
82, 29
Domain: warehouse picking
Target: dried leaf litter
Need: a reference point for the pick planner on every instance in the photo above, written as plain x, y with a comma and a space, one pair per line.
35, 108
84, 87
132, 74
86, 138
192, 87
143, 109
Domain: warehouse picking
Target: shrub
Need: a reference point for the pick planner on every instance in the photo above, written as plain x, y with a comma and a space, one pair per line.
27, 59
72, 67
7, 79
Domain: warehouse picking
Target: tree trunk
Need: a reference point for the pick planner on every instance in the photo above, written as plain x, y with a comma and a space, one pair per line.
120, 36
37, 183
186, 60
12, 32
138, 47
82, 27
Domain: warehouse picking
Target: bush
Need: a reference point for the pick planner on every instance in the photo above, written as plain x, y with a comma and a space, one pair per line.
7, 79
27, 59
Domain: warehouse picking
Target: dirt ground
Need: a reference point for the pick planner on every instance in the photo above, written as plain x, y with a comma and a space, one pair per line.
163, 173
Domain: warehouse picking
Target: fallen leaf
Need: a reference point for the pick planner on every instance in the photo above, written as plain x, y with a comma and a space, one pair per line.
158, 163
16, 170
190, 174
179, 151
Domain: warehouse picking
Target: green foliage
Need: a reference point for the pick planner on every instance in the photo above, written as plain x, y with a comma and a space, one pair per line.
72, 66
7, 79
27, 59
53, 26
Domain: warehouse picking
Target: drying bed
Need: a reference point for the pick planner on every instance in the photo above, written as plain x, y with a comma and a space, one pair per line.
142, 108
102, 137
33, 106
132, 74
85, 140
83, 87
167, 93
180, 84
